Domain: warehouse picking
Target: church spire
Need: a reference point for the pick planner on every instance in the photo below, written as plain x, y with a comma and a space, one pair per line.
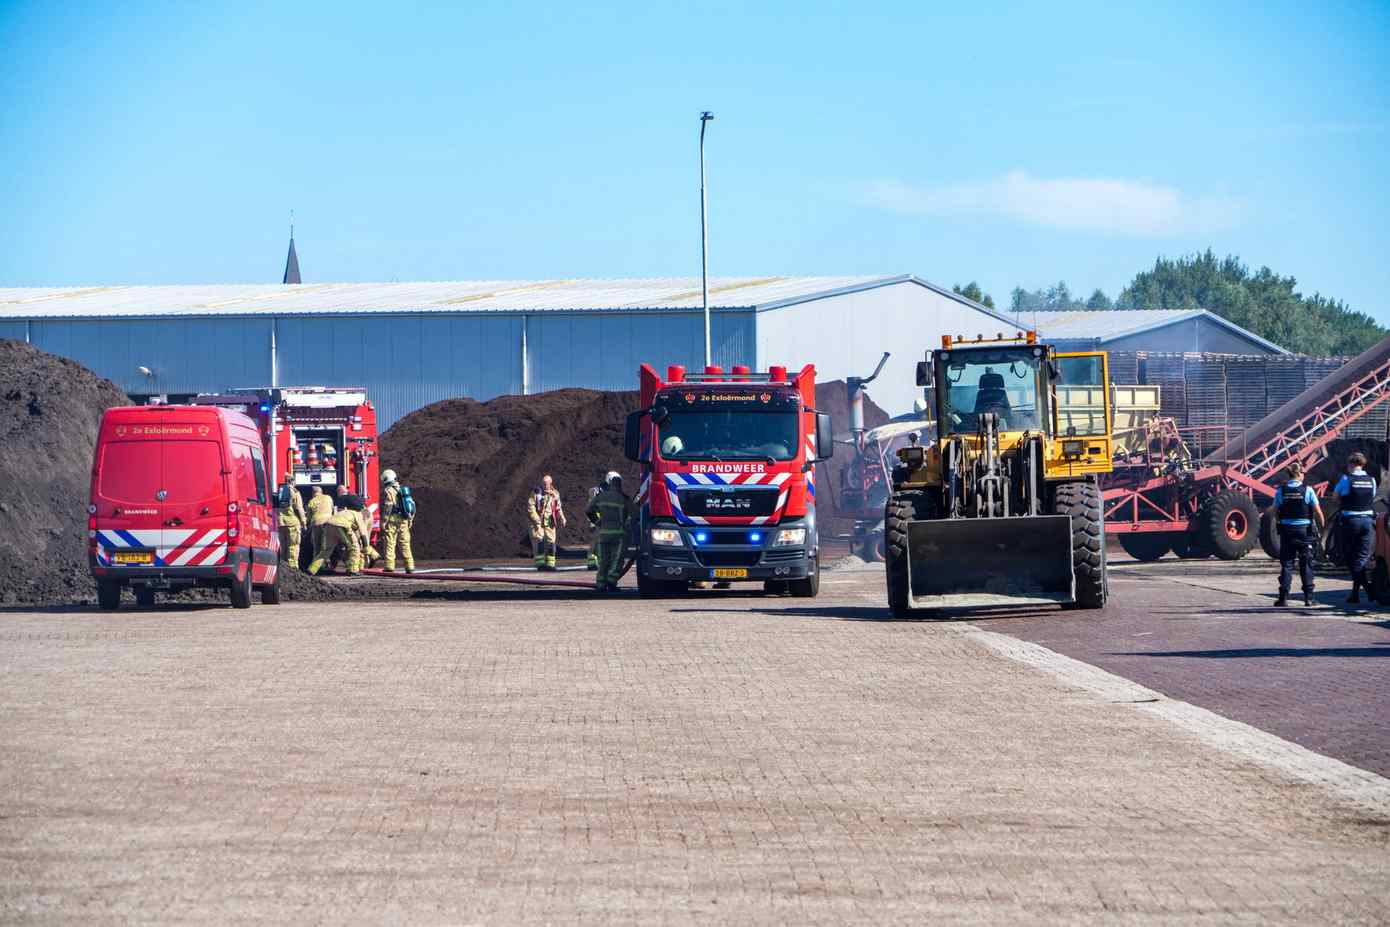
292, 259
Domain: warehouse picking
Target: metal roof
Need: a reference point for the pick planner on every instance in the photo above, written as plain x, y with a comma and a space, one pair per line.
1102, 325
660, 293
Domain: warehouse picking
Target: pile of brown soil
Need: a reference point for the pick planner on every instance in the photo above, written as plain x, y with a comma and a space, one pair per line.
833, 397
50, 410
471, 464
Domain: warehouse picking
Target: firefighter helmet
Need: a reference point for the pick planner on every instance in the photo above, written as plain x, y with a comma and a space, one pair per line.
672, 446
613, 476
388, 476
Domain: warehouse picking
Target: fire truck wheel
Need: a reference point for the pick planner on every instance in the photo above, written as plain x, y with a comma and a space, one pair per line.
1081, 500
903, 507
649, 588
144, 597
241, 591
805, 588
270, 594
1230, 524
1146, 547
1269, 533
109, 595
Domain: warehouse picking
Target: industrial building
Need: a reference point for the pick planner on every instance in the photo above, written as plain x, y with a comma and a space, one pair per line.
1175, 331
410, 344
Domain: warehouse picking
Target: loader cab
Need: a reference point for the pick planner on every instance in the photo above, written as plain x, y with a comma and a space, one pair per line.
1007, 380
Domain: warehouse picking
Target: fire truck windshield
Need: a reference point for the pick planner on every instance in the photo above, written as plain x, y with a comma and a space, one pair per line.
1003, 381
733, 435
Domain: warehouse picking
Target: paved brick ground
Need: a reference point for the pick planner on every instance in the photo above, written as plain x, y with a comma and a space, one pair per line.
1207, 633
500, 759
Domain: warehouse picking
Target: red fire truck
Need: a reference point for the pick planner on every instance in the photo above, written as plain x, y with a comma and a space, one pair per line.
324, 436
728, 478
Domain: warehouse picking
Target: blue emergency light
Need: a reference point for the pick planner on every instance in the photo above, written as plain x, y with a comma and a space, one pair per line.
701, 537
755, 537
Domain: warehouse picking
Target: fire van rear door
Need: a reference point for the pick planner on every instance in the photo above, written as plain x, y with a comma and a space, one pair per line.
195, 504
129, 513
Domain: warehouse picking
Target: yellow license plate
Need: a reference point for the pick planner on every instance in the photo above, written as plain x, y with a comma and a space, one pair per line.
134, 556
729, 574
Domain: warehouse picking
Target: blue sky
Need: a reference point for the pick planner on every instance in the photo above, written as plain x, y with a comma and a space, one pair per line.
1014, 145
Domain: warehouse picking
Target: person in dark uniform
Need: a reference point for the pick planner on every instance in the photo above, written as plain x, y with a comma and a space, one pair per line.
1297, 506
1357, 518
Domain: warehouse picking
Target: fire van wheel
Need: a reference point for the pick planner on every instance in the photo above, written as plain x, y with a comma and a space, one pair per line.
903, 506
144, 597
109, 595
241, 590
1146, 547
1081, 501
270, 593
1230, 524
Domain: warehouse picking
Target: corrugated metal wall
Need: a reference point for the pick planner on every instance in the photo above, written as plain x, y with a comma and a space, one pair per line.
405, 362
604, 350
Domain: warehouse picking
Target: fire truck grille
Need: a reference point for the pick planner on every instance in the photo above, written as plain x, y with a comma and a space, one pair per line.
729, 558
703, 503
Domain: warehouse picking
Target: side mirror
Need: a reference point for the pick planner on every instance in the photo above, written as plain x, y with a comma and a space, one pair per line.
825, 436
660, 414
632, 438
924, 375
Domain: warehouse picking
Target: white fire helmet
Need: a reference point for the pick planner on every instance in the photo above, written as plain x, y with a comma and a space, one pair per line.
611, 476
672, 446
388, 476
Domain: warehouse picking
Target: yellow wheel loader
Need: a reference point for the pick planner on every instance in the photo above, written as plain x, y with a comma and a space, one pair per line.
1004, 507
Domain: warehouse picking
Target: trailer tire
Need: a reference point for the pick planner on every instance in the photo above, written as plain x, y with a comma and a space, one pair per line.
1188, 546
241, 590
1081, 501
1230, 524
109, 594
1269, 533
903, 506
1146, 547
144, 597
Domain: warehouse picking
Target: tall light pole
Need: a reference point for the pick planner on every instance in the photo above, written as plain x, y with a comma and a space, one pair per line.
705, 117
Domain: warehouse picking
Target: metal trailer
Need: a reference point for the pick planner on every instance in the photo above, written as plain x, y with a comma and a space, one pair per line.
1164, 498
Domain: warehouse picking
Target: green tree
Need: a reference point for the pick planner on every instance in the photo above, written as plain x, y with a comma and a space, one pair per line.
972, 291
1262, 302
1099, 300
1056, 298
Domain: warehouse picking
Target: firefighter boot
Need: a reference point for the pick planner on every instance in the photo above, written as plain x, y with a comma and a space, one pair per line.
1283, 599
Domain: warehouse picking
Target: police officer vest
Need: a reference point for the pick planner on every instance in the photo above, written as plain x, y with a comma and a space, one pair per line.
1293, 504
1361, 494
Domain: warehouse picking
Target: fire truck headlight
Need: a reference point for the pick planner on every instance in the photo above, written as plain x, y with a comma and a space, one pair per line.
667, 537
790, 537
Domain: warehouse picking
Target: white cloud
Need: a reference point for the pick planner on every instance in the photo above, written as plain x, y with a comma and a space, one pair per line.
1094, 204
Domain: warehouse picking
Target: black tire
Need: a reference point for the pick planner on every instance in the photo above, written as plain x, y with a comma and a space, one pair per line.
1229, 524
902, 508
109, 594
775, 587
241, 591
1146, 547
270, 594
1081, 500
144, 597
1188, 546
806, 588
649, 588
1269, 533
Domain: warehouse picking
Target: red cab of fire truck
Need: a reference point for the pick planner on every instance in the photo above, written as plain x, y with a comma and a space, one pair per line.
322, 436
728, 491
180, 497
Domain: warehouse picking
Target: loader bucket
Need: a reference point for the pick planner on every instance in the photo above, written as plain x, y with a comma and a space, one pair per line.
983, 562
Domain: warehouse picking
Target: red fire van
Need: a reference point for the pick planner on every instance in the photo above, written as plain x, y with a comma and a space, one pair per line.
180, 497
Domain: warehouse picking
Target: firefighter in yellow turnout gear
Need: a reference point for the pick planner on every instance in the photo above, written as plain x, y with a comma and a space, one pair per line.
546, 515
342, 530
293, 521
320, 510
610, 512
396, 522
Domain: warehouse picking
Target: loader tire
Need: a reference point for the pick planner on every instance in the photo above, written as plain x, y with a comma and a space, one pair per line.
1081, 501
902, 508
1146, 547
1229, 524
1269, 533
